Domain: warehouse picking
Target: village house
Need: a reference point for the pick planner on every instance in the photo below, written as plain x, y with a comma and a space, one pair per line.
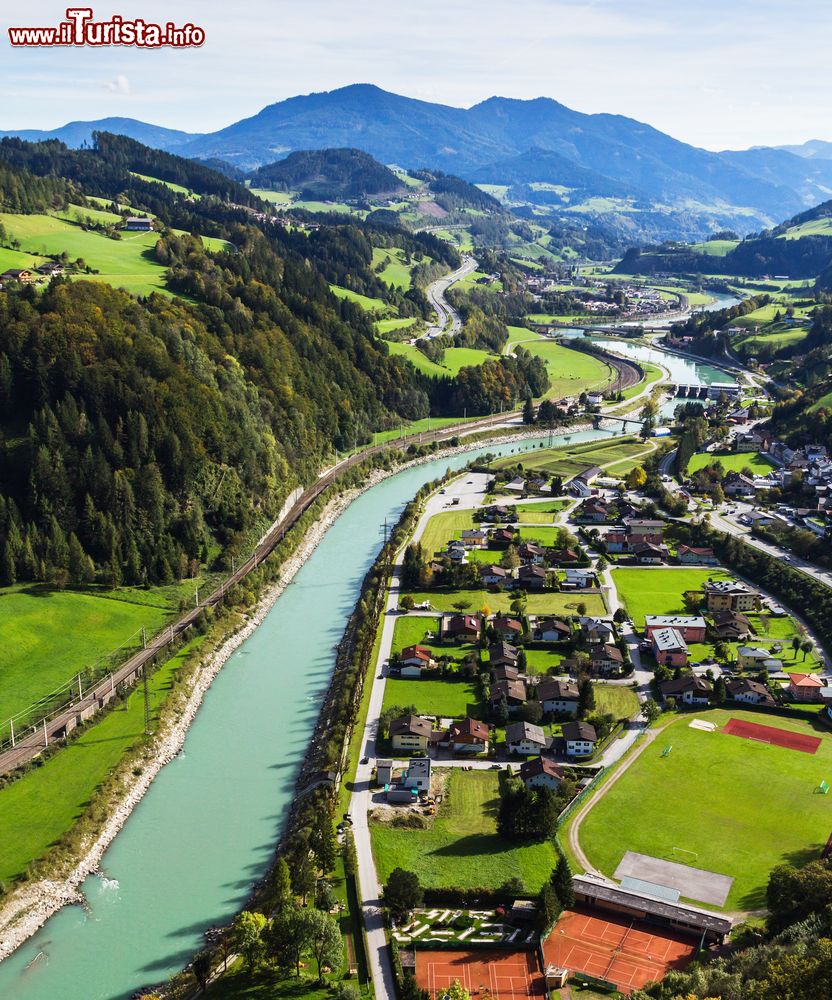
641, 530
138, 224
805, 687
669, 647
50, 269
550, 630
648, 554
470, 736
558, 696
730, 625
579, 579
475, 538
561, 557
748, 691
692, 628
509, 629
616, 540
494, 576
512, 692
517, 485
531, 553
735, 484
752, 657
414, 659
690, 689
532, 577
501, 654
592, 511
498, 513
730, 595
525, 738
501, 538
460, 628
410, 732
689, 555
581, 485
456, 551
605, 659
579, 738
541, 772
21, 274
595, 630
417, 774
506, 673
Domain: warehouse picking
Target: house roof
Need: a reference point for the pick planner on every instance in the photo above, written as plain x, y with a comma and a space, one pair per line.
806, 681
673, 621
690, 682
541, 765
502, 650
502, 622
606, 651
726, 587
579, 731
411, 725
416, 652
668, 640
472, 728
493, 570
557, 690
552, 623
518, 731
744, 685
753, 652
505, 672
534, 572
728, 617
593, 472
694, 550
643, 524
510, 690
462, 623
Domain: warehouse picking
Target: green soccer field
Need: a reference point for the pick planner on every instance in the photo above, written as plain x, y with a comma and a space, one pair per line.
719, 802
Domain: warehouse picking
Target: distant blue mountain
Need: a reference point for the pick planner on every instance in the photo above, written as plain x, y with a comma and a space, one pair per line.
530, 141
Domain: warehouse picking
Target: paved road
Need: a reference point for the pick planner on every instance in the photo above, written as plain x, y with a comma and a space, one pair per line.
444, 310
470, 490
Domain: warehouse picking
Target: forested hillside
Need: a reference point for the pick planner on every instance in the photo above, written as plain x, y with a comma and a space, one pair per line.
328, 173
142, 438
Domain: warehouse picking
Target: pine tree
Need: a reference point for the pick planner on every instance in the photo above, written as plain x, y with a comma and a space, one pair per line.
562, 882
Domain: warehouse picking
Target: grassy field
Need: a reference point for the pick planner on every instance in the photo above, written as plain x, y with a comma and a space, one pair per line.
441, 528
417, 359
732, 462
410, 630
48, 636
388, 325
659, 591
397, 272
376, 306
545, 603
446, 698
618, 700
570, 372
539, 513
37, 810
568, 461
462, 847
742, 806
416, 426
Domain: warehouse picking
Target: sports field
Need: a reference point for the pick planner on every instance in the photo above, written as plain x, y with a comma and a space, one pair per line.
734, 806
503, 975
617, 949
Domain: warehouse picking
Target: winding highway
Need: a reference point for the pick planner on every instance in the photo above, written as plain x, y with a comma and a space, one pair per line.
444, 310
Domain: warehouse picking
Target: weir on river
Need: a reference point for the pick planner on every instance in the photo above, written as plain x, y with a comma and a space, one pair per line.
206, 830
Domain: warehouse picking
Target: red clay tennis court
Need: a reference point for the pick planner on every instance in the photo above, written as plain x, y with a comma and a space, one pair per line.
505, 975
625, 952
768, 734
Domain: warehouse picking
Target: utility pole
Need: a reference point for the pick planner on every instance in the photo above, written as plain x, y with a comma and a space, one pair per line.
45, 735
144, 638
80, 689
11, 726
196, 598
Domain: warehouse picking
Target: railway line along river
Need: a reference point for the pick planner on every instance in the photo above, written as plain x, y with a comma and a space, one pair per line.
207, 827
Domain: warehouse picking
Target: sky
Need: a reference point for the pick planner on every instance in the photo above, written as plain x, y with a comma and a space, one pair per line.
715, 73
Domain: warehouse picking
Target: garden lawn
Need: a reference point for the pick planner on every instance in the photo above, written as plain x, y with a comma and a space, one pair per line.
39, 808
732, 462
660, 591
615, 699
462, 848
740, 805
441, 528
448, 698
540, 513
547, 602
541, 661
48, 636
410, 630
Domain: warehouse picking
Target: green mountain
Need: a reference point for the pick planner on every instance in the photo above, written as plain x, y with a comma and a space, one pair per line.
331, 174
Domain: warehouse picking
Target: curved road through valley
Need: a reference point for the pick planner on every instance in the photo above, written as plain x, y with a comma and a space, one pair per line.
444, 310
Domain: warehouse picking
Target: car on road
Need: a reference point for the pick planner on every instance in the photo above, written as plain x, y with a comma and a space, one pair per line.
365, 760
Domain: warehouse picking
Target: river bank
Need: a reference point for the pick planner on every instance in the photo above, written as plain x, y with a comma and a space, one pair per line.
29, 907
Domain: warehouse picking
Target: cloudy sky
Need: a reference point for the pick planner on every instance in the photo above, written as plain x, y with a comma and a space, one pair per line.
716, 73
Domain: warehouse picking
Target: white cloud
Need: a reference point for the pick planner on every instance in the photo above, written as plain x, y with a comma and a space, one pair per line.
118, 85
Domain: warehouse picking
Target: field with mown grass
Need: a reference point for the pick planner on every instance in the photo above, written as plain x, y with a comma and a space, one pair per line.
616, 699
547, 602
734, 461
447, 697
461, 847
568, 461
37, 810
48, 636
740, 807
660, 591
